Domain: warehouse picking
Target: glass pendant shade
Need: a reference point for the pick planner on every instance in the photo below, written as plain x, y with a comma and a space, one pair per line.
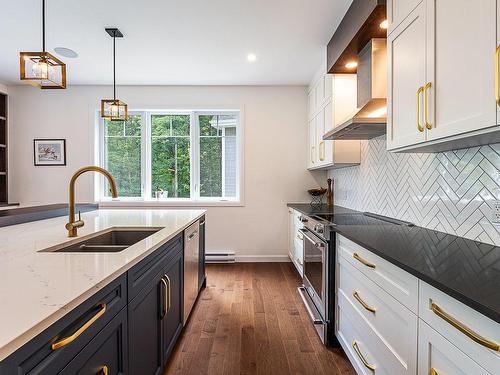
114, 110
42, 70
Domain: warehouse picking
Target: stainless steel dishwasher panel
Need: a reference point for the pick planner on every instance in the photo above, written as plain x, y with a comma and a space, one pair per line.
191, 260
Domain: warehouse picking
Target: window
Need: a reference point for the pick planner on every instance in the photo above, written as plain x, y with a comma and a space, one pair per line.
173, 156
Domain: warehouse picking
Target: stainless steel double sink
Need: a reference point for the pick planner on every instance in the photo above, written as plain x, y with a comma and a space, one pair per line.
110, 241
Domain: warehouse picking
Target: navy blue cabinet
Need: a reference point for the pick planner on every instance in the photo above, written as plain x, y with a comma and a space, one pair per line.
173, 314
107, 352
155, 313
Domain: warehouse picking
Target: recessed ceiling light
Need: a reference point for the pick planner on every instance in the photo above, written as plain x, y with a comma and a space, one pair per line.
351, 65
251, 57
66, 52
384, 24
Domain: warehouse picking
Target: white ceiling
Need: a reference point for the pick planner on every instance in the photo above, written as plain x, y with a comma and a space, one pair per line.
179, 42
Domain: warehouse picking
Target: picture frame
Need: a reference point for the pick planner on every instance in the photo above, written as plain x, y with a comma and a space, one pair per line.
49, 152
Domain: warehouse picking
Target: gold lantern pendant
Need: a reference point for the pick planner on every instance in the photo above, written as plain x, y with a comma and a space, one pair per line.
114, 109
41, 69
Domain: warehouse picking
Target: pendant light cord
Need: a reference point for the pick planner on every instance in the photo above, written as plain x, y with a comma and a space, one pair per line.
43, 25
114, 65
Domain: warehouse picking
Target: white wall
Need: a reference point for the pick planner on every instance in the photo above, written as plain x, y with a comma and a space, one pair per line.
275, 147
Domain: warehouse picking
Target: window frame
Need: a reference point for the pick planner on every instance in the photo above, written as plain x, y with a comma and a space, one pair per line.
146, 198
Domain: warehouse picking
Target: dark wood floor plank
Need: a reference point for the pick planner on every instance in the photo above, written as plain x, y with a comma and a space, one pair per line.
251, 320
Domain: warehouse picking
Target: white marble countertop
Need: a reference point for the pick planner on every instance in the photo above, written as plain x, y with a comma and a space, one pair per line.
38, 288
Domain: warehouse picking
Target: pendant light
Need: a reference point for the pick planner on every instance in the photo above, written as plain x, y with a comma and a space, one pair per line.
41, 69
114, 109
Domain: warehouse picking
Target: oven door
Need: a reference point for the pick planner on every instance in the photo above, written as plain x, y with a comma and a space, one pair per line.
315, 264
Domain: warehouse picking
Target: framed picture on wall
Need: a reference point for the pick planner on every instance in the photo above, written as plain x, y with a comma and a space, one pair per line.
49, 151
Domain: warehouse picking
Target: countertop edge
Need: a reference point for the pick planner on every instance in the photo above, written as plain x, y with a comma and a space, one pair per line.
480, 308
45, 323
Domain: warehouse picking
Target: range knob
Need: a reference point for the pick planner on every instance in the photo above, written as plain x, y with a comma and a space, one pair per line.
318, 228
303, 219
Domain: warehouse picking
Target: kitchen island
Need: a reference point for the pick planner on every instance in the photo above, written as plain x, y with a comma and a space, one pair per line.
38, 289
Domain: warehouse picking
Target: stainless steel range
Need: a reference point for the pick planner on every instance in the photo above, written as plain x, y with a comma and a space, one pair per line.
318, 290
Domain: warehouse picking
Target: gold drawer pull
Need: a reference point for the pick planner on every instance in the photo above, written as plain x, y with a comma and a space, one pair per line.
433, 371
419, 126
68, 340
300, 237
427, 124
361, 356
497, 83
364, 261
356, 295
104, 370
464, 329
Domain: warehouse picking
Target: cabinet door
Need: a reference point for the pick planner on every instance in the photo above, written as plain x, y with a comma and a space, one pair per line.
438, 356
406, 65
291, 233
328, 125
398, 10
172, 320
320, 144
312, 144
106, 353
461, 41
145, 330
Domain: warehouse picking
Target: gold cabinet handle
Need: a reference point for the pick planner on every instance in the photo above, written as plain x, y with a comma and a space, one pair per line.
356, 295
322, 150
464, 329
427, 87
300, 237
164, 307
419, 126
364, 261
68, 340
312, 154
497, 83
433, 371
167, 296
104, 370
362, 357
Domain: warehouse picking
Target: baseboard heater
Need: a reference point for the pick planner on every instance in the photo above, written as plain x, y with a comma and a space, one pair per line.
220, 257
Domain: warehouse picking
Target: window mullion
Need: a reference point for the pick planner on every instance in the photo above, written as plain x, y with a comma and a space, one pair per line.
146, 151
195, 154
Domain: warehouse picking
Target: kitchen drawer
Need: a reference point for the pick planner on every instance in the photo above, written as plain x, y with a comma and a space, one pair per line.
79, 326
438, 356
142, 273
394, 323
464, 316
354, 332
107, 352
398, 283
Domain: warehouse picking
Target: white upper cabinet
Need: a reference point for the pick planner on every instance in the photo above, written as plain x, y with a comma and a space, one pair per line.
445, 50
331, 99
406, 64
460, 66
398, 10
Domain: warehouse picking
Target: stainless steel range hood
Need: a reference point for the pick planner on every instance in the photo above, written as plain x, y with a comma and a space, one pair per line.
370, 118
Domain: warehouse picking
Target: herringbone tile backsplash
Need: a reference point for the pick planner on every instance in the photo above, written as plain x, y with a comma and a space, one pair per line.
452, 191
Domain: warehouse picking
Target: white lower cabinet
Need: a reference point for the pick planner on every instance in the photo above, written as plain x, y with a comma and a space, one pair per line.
390, 322
438, 356
295, 245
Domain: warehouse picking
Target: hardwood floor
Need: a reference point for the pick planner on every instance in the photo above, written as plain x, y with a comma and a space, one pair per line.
251, 320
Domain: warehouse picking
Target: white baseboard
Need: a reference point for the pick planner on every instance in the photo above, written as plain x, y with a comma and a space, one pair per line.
262, 258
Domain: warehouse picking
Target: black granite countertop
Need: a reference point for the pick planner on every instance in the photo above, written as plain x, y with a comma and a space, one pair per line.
26, 214
464, 269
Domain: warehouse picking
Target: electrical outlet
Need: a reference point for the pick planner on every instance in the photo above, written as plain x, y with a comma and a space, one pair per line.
495, 212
